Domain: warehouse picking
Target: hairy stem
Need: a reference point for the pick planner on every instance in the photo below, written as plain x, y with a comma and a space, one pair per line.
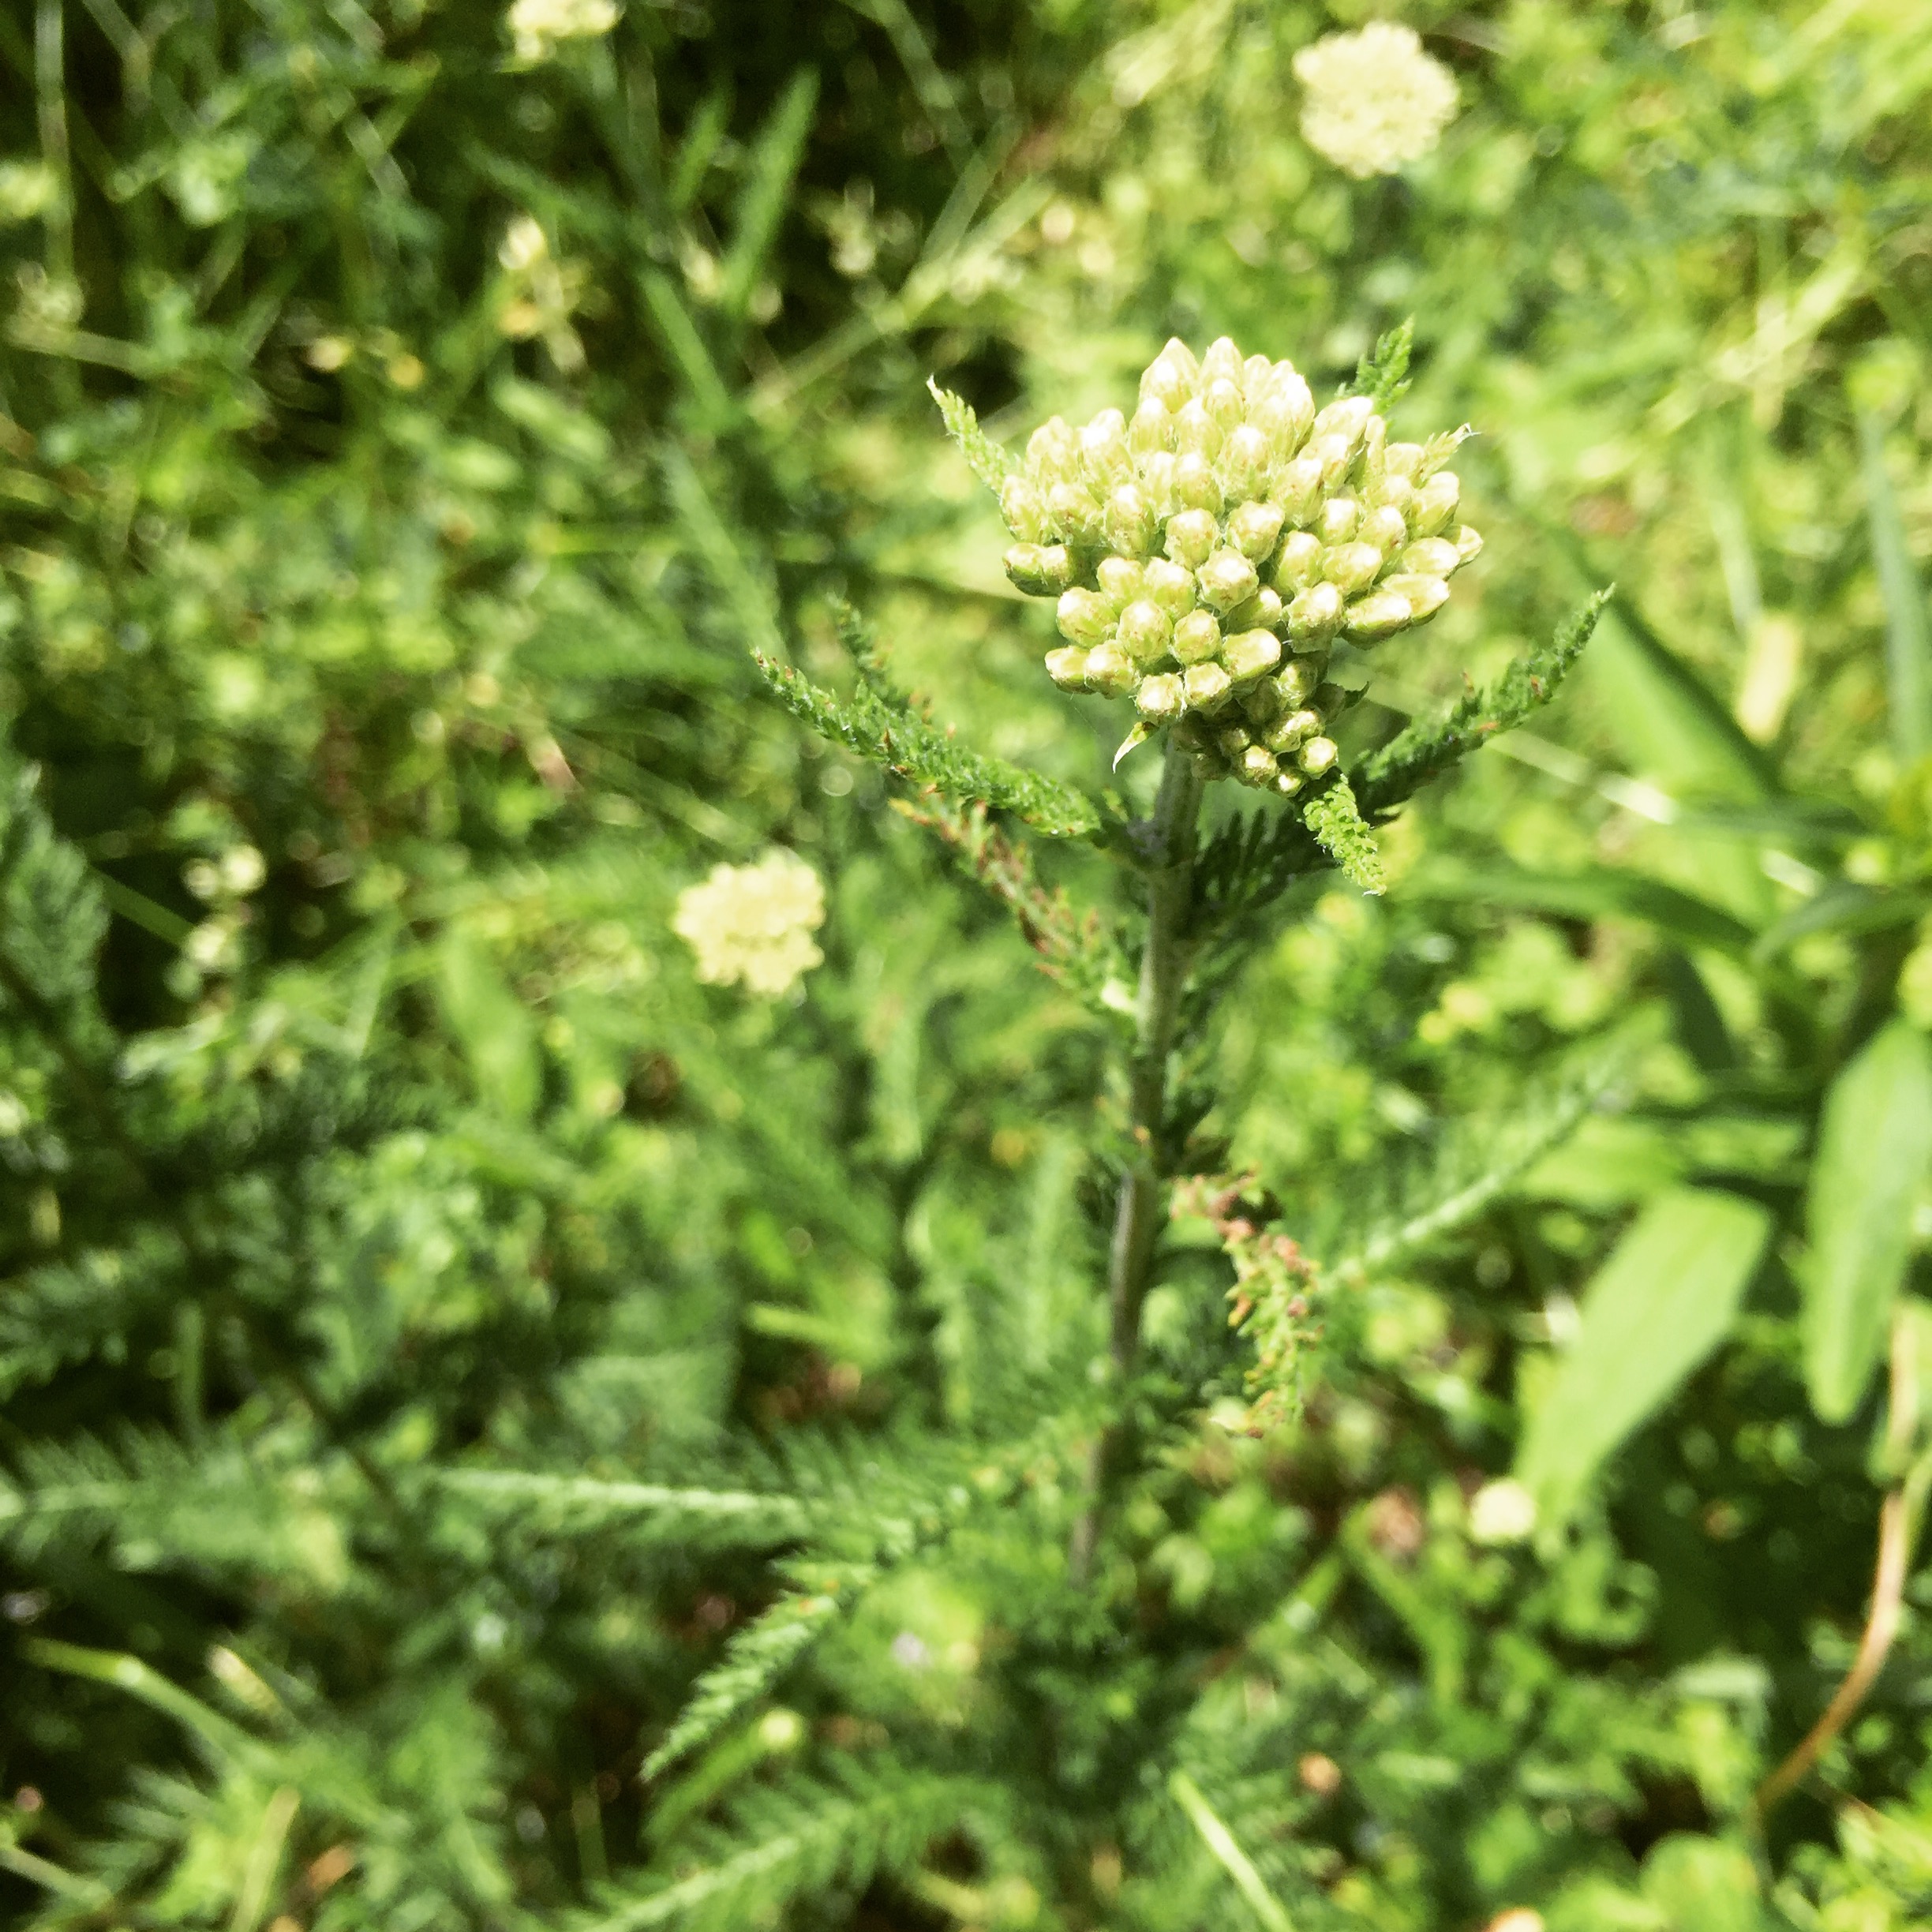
1168, 842
1898, 1530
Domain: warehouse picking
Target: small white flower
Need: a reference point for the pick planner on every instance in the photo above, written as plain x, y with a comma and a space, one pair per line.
754, 923
537, 25
1376, 101
1503, 1512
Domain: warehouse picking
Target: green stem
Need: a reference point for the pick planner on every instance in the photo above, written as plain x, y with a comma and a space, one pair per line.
1168, 841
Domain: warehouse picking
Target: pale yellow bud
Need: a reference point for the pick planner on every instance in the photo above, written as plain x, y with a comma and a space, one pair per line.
1251, 654
1170, 586
1227, 578
1318, 755
1206, 687
1196, 637
1351, 567
1160, 698
1191, 537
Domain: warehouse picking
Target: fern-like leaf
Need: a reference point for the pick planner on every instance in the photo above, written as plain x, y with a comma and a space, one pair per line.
755, 1659
585, 1505
1419, 753
990, 463
794, 1840
874, 724
1383, 374
1074, 947
1333, 817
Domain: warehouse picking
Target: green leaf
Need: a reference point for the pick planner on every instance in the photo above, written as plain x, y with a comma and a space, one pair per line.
1874, 1152
1598, 892
1341, 832
1383, 375
1424, 749
1657, 1309
1909, 646
498, 1035
990, 463
876, 724
774, 161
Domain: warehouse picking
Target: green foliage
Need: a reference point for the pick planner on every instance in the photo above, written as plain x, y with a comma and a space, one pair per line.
1333, 817
1654, 1311
878, 723
494, 1429
1874, 1158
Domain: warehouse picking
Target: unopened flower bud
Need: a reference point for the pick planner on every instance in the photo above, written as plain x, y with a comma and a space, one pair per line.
1297, 559
1166, 382
1257, 767
1083, 617
1067, 667
1222, 363
1053, 451
1318, 755
1262, 612
1206, 685
1160, 698
1468, 542
1227, 578
1250, 654
1244, 460
1176, 351
1222, 399
1170, 586
1026, 565
1196, 637
1295, 680
1256, 372
1144, 632
1380, 614
1024, 508
1262, 702
1111, 671
1286, 412
1385, 528
1347, 416
1403, 459
1289, 783
1351, 567
1430, 556
1253, 528
1191, 536
1336, 455
1425, 595
1338, 519
1120, 579
1103, 446
1314, 615
1152, 429
1196, 486
1196, 431
1074, 513
1292, 731
1436, 503
1157, 481
1396, 492
1298, 488
1232, 742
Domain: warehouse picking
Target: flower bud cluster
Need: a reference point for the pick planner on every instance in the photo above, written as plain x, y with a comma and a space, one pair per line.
1209, 553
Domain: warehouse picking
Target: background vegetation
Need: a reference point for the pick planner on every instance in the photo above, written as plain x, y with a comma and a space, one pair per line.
434, 1326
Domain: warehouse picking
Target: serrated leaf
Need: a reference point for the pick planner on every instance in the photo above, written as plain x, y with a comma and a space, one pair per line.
1874, 1153
990, 463
1341, 832
1656, 1309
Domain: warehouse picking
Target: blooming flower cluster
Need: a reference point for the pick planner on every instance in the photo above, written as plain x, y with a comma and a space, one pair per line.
1208, 554
754, 923
537, 25
1375, 100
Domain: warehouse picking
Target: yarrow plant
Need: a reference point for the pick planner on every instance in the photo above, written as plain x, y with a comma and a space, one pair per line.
752, 924
1209, 552
1376, 101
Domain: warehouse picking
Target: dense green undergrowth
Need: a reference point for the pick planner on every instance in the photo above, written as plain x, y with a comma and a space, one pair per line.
494, 1429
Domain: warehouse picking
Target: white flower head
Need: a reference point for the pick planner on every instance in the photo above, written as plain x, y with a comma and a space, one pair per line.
1503, 1512
754, 923
1376, 101
537, 25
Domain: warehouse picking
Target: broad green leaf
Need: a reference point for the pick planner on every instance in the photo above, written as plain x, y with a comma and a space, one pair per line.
1657, 1309
499, 1036
1873, 1153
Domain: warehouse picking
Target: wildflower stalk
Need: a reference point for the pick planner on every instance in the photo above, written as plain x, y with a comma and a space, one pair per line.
1167, 841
